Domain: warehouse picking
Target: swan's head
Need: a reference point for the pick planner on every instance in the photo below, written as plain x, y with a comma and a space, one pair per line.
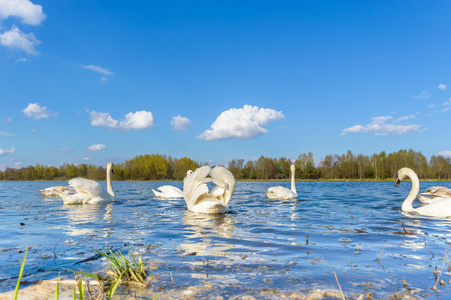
402, 174
109, 166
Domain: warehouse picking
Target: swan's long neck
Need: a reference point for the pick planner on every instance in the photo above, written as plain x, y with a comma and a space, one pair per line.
109, 183
407, 204
293, 186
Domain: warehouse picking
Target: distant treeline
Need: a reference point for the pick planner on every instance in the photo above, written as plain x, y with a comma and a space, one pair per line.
160, 167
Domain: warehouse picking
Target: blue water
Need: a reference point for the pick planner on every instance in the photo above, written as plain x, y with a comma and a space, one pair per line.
354, 229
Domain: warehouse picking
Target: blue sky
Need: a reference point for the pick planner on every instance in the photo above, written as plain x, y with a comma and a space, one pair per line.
98, 81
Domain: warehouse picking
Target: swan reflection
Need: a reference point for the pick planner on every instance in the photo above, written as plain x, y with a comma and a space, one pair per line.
78, 215
203, 229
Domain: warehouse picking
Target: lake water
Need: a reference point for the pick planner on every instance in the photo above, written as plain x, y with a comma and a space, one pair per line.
354, 229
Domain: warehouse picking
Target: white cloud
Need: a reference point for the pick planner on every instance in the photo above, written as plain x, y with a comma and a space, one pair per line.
442, 87
6, 152
15, 38
180, 123
98, 70
445, 153
6, 134
138, 120
102, 119
17, 164
380, 126
423, 95
97, 147
28, 12
86, 158
447, 104
243, 123
64, 149
35, 111
23, 59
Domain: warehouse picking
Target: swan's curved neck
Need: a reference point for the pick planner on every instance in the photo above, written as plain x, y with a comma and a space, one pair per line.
293, 186
407, 204
109, 183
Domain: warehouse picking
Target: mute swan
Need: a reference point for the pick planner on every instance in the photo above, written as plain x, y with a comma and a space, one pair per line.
90, 191
54, 191
169, 191
197, 197
439, 208
280, 192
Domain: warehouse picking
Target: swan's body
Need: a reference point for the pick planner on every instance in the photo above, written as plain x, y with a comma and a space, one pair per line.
280, 192
90, 191
168, 192
439, 208
197, 197
54, 191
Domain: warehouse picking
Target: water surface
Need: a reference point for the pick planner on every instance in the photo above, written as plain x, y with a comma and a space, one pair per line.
354, 229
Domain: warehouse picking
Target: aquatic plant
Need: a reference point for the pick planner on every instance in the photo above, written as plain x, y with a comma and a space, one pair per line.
16, 291
123, 268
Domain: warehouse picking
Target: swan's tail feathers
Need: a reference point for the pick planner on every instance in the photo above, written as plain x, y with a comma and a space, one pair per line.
424, 199
224, 179
194, 186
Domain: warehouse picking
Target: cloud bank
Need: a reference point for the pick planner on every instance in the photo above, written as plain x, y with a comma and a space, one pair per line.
445, 153
35, 111
180, 123
138, 120
242, 123
380, 126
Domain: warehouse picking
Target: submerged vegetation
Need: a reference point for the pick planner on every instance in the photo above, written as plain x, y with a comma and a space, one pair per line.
160, 167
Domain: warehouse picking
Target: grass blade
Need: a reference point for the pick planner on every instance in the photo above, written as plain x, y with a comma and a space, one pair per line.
113, 288
16, 291
57, 290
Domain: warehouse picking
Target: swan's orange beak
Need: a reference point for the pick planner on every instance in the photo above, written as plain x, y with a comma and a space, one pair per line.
398, 181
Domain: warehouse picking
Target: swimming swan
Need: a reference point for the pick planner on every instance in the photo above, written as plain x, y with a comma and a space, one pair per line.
169, 191
90, 191
197, 197
54, 191
280, 192
439, 208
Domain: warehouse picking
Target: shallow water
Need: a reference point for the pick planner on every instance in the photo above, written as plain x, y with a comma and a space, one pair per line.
354, 229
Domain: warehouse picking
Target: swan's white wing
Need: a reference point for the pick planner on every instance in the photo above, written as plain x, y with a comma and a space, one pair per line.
89, 187
194, 186
224, 179
437, 191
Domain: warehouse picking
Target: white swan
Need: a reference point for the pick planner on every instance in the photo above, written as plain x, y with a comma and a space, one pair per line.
280, 192
90, 191
197, 197
439, 208
54, 191
169, 191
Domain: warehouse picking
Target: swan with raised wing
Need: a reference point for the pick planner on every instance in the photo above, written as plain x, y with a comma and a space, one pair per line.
439, 208
54, 191
90, 191
197, 196
280, 192
169, 191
